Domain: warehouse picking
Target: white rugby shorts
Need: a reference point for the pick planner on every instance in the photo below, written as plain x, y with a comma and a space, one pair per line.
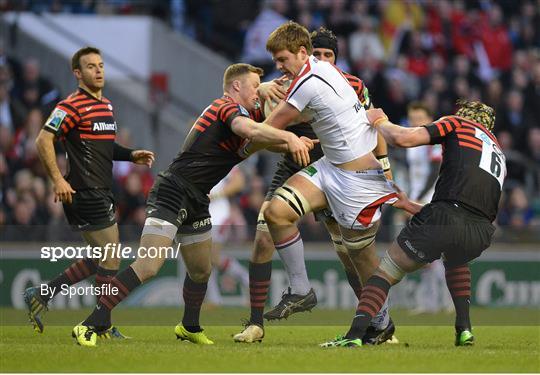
355, 197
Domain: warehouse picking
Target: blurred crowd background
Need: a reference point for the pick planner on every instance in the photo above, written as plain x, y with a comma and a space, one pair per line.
433, 51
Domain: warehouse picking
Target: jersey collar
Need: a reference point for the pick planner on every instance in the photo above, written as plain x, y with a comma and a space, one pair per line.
84, 92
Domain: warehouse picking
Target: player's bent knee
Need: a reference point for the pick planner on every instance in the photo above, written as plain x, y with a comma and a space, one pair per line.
389, 267
293, 198
274, 215
200, 275
146, 268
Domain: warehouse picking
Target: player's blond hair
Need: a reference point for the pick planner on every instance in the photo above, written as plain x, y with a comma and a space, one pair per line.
235, 71
290, 36
476, 111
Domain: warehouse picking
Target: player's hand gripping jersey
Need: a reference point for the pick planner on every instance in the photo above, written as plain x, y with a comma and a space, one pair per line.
324, 94
211, 148
473, 167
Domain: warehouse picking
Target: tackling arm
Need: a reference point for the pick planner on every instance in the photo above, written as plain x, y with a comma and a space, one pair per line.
268, 136
395, 134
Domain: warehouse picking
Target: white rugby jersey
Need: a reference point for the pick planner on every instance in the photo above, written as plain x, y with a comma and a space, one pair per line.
322, 93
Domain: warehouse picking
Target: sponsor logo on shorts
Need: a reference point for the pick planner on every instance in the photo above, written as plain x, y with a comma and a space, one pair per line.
182, 215
202, 223
418, 253
310, 170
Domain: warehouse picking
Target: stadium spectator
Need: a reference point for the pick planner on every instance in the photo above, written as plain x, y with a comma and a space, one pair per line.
450, 29
33, 90
365, 43
515, 211
271, 16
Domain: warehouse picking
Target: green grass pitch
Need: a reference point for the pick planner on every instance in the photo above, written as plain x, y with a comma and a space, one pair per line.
289, 346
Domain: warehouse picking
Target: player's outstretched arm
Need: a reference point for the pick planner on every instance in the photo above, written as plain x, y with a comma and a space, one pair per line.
45, 148
262, 133
121, 153
395, 134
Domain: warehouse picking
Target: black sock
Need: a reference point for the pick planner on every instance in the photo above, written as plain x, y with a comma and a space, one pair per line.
371, 301
355, 283
124, 283
259, 282
458, 280
193, 294
76, 272
104, 276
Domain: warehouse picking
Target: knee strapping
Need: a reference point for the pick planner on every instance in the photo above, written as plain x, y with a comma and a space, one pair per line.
359, 243
338, 243
261, 223
390, 267
293, 198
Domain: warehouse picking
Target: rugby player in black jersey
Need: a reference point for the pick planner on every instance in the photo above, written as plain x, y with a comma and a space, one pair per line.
455, 226
178, 201
359, 264
85, 123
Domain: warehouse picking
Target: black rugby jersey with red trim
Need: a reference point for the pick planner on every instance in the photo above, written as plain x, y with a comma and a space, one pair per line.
87, 128
211, 148
473, 166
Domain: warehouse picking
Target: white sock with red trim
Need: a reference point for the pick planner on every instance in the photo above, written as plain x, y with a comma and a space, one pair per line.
291, 252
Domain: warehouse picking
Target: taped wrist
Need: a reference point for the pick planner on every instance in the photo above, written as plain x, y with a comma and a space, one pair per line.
380, 120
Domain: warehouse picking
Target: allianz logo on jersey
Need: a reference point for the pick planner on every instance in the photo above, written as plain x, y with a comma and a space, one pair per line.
104, 126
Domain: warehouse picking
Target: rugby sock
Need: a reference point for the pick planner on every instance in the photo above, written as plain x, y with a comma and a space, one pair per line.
193, 298
355, 283
291, 252
124, 282
104, 276
76, 272
259, 282
374, 295
232, 267
458, 280
382, 319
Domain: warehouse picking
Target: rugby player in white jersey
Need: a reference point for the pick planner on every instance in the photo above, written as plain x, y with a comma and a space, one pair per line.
348, 179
